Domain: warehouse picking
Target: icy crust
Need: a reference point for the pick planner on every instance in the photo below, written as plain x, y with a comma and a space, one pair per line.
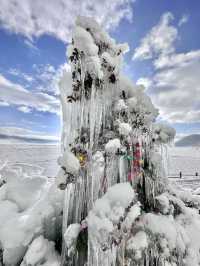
41, 252
29, 206
107, 211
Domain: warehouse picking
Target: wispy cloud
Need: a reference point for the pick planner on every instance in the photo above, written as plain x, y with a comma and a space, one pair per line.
35, 18
18, 73
24, 109
47, 77
160, 39
27, 135
184, 19
31, 45
174, 85
15, 94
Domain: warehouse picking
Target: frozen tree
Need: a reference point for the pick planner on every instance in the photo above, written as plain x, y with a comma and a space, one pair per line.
119, 208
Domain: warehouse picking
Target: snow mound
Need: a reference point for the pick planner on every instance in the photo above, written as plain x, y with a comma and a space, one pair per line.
108, 210
41, 252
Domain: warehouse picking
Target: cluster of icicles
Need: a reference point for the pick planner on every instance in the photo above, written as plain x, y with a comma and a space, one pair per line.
107, 139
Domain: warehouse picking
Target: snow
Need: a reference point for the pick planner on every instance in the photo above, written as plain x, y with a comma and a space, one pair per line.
112, 146
70, 162
84, 42
164, 203
124, 129
133, 214
107, 211
120, 105
41, 252
137, 244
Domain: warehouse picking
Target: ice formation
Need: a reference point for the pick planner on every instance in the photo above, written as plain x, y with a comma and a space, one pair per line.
119, 207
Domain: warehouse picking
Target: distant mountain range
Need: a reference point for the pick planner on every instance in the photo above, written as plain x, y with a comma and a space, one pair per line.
191, 140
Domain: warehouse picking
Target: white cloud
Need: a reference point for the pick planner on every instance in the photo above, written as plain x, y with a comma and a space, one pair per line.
175, 84
24, 109
160, 39
2, 103
48, 77
33, 18
146, 82
177, 91
15, 94
184, 19
175, 60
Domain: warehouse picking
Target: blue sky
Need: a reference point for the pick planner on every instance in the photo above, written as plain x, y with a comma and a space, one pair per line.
164, 55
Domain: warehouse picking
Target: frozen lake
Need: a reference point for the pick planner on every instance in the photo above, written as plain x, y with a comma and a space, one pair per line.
186, 160
43, 156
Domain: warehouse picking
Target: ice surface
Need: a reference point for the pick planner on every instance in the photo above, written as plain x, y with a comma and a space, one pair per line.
31, 159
